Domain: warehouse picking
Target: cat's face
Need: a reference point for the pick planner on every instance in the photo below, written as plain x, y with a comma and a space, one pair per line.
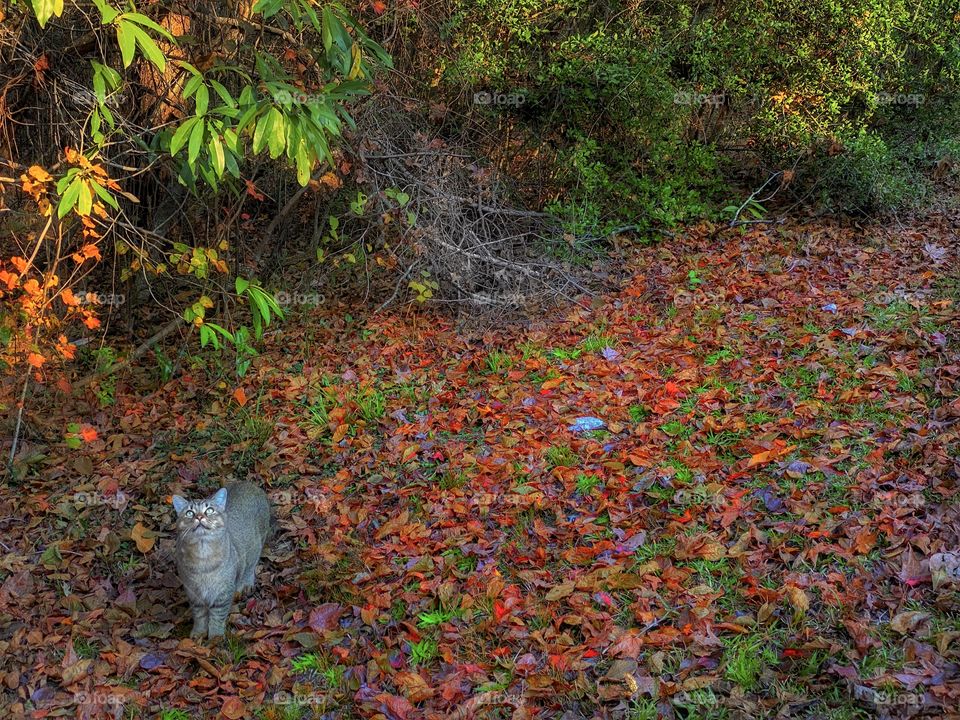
201, 517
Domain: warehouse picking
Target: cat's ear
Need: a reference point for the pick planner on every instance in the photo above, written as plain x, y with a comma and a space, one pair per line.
179, 504
219, 499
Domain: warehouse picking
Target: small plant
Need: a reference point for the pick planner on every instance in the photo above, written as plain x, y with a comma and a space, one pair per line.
719, 356
372, 405
643, 709
423, 652
452, 480
560, 456
84, 648
746, 658
308, 662
565, 355
423, 287
236, 647
595, 343
497, 361
318, 412
174, 714
586, 483
437, 617
676, 429
638, 413
694, 280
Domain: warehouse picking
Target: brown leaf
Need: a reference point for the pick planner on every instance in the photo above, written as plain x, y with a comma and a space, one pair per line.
413, 686
910, 621
798, 599
325, 617
233, 708
561, 591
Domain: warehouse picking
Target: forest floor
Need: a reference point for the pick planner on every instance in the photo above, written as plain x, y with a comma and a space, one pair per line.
766, 524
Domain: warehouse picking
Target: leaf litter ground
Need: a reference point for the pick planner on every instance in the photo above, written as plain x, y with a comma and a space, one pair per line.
763, 527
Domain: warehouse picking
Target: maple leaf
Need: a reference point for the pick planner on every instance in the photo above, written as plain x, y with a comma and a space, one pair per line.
36, 360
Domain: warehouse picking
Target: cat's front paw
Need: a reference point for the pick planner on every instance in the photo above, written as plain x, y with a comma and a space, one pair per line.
198, 631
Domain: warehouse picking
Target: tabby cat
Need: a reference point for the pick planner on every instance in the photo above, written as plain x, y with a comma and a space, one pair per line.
219, 541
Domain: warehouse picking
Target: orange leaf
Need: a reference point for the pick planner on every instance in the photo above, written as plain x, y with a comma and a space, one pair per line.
240, 396
36, 360
39, 173
69, 299
91, 322
331, 180
773, 453
143, 537
88, 433
551, 384
340, 433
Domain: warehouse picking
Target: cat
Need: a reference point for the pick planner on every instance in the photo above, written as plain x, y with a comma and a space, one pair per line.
219, 541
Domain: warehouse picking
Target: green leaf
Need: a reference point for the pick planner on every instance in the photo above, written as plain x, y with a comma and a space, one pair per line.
181, 135
203, 100
107, 12
85, 201
69, 198
304, 165
149, 48
127, 41
104, 194
208, 336
241, 285
228, 335
216, 155
196, 138
257, 299
191, 86
66, 179
231, 164
327, 29
263, 131
268, 8
45, 9
224, 94
277, 139
147, 22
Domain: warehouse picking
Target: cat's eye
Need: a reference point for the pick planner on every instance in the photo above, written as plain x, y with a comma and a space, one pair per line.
209, 511
189, 513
